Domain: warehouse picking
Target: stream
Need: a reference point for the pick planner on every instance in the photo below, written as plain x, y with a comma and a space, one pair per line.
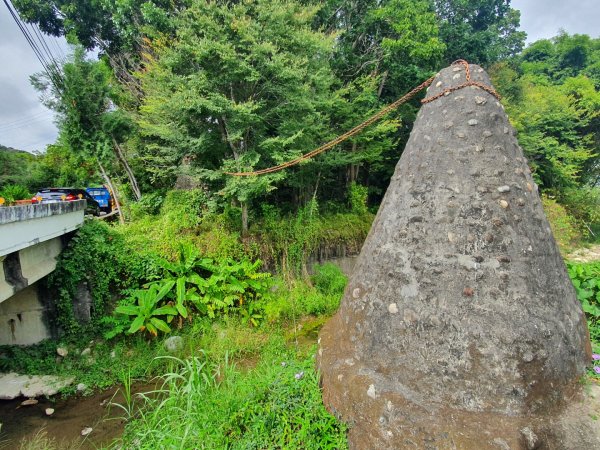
70, 417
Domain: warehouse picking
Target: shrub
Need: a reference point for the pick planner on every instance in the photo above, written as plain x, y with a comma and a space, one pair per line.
584, 205
358, 196
586, 279
14, 192
329, 279
93, 256
209, 404
564, 226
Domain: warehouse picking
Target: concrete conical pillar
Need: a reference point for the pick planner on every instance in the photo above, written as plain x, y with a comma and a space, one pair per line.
459, 328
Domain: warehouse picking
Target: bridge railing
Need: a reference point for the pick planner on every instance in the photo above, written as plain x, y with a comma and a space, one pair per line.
26, 225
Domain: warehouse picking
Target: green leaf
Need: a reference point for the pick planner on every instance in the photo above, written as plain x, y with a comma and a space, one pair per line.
168, 309
180, 290
164, 290
137, 323
182, 310
129, 310
161, 325
151, 328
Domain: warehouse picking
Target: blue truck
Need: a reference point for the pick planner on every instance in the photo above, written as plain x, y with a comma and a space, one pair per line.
102, 196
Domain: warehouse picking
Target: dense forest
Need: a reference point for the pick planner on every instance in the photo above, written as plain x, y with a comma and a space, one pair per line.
185, 90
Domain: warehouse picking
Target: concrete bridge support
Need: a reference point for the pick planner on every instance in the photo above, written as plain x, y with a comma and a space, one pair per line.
31, 239
23, 318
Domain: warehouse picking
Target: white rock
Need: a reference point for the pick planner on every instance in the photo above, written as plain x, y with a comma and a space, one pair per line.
29, 402
62, 351
86, 351
13, 385
173, 344
81, 387
86, 431
371, 391
393, 308
504, 188
49, 411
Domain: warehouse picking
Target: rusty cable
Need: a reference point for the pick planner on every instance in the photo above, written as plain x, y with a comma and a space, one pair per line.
357, 129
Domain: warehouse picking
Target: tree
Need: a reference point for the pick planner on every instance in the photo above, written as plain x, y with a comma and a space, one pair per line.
242, 86
116, 26
389, 46
87, 126
553, 124
480, 31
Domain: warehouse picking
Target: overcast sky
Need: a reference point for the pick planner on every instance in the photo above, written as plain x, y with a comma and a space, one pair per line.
26, 124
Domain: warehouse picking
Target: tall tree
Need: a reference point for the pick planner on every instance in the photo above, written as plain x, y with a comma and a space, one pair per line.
480, 31
85, 111
244, 85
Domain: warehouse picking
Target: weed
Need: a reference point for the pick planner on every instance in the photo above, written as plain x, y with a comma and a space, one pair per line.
204, 403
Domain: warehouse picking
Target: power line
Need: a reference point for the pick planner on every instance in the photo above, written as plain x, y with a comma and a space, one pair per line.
41, 114
27, 124
50, 68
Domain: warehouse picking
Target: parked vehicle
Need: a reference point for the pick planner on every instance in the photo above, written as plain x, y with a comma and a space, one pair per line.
102, 196
54, 195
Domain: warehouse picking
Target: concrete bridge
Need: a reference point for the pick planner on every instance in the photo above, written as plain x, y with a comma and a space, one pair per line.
31, 238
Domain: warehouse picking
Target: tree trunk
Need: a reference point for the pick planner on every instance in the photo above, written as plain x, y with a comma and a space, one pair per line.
352, 169
244, 219
382, 83
114, 192
132, 180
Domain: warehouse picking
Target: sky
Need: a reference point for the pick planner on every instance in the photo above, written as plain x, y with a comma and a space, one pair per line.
27, 125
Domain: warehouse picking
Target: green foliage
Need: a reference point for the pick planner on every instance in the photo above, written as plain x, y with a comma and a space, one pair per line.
146, 312
231, 285
584, 205
206, 287
586, 279
15, 166
552, 131
13, 192
358, 198
552, 98
150, 203
115, 26
564, 226
480, 31
272, 406
100, 369
299, 298
243, 85
294, 242
93, 258
329, 279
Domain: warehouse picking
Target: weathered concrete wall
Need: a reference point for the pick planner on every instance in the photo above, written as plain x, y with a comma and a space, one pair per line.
24, 226
22, 319
459, 328
6, 289
23, 268
39, 260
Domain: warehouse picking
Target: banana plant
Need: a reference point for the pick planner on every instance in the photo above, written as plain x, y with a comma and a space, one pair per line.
146, 311
182, 276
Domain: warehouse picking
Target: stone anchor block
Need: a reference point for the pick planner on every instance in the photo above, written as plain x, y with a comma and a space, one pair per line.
459, 328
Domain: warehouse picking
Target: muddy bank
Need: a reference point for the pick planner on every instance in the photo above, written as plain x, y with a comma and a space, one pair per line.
70, 416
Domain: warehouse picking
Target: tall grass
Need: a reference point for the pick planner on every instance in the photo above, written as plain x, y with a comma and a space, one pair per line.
203, 404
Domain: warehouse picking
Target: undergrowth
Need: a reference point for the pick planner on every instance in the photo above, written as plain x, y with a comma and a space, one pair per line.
208, 403
586, 279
